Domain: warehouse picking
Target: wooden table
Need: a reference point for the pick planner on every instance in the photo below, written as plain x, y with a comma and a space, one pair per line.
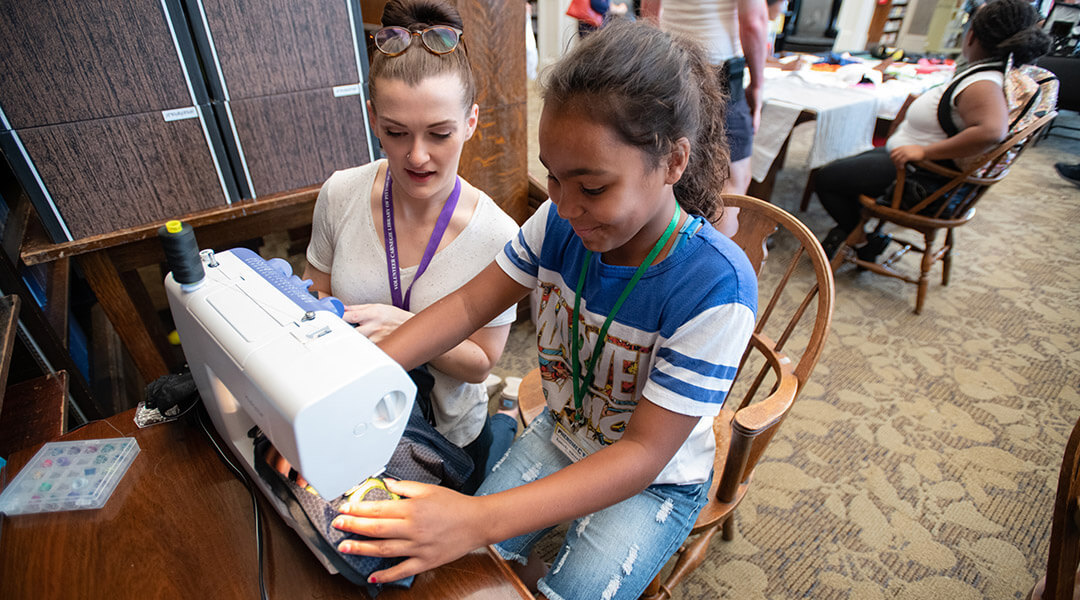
180, 525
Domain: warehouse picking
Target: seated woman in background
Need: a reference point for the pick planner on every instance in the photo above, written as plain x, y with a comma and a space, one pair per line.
394, 236
998, 30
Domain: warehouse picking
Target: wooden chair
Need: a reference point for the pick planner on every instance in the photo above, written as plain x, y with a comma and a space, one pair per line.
769, 377
929, 222
883, 126
1061, 578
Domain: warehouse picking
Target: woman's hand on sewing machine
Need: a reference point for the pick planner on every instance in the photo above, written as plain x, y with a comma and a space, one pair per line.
902, 155
431, 526
376, 321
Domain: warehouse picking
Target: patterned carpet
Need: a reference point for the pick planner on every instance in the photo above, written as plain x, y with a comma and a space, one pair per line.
922, 458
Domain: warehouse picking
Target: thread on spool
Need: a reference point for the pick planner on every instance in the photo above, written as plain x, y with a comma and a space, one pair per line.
182, 253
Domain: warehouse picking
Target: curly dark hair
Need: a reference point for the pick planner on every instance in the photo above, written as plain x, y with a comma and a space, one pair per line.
1005, 27
416, 63
652, 88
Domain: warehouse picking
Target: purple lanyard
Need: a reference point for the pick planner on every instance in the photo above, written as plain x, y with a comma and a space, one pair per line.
390, 240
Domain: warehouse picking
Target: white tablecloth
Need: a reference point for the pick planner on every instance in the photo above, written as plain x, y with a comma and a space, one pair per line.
844, 126
845, 115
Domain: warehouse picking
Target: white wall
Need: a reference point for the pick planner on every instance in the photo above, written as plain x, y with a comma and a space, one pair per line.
916, 25
853, 24
555, 31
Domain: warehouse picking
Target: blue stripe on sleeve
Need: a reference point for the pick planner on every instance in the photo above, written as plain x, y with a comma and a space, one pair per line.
697, 394
702, 367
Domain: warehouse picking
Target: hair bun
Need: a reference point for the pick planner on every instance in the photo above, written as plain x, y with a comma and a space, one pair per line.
413, 14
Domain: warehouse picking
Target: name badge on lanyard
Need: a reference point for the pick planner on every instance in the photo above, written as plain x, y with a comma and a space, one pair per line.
574, 444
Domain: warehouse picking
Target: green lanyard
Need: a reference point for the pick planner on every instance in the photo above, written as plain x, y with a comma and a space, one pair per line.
582, 385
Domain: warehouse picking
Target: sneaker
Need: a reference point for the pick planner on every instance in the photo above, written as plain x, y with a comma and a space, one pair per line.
832, 241
509, 398
876, 243
1070, 173
493, 384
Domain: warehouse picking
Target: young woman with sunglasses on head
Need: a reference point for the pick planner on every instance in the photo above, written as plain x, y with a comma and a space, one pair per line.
391, 237
643, 312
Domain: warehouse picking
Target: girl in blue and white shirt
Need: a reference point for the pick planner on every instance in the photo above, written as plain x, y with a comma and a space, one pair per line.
644, 311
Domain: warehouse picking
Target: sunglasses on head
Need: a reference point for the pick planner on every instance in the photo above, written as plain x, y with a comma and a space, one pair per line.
439, 39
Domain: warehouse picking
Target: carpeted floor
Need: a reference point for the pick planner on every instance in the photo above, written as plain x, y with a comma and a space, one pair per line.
922, 459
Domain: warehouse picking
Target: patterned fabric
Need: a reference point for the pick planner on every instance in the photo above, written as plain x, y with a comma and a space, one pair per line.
1031, 92
422, 455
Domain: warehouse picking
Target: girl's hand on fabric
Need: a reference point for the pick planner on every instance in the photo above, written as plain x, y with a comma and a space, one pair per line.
376, 321
905, 154
431, 526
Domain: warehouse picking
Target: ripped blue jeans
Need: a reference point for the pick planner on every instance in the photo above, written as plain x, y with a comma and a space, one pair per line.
607, 555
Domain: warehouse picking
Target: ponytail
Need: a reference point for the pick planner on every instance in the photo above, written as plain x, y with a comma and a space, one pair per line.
1004, 27
710, 162
1025, 46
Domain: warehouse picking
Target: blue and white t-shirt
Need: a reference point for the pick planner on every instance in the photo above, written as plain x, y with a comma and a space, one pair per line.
677, 339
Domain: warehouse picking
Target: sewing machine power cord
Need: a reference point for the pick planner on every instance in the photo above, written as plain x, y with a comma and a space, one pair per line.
242, 476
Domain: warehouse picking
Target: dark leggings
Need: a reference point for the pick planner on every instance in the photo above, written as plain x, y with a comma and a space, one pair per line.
839, 184
488, 447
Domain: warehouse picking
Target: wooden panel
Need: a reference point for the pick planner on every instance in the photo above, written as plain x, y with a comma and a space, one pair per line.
109, 174
33, 413
138, 246
275, 46
494, 160
372, 10
64, 61
495, 35
9, 320
296, 140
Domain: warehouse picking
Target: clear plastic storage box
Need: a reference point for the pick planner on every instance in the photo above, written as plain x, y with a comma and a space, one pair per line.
74, 475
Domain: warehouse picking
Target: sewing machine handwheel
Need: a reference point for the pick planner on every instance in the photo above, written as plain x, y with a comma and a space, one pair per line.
389, 409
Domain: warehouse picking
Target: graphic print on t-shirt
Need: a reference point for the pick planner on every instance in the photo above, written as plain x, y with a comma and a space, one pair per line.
610, 399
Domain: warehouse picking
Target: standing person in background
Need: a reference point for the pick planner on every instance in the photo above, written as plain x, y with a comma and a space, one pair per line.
776, 22
735, 34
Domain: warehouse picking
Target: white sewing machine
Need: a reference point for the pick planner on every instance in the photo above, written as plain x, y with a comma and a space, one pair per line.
264, 352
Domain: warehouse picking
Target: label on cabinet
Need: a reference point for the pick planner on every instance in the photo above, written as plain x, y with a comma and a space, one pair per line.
346, 90
179, 114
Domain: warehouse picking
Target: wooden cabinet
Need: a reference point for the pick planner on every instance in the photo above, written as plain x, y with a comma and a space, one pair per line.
102, 175
287, 82
105, 118
293, 140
